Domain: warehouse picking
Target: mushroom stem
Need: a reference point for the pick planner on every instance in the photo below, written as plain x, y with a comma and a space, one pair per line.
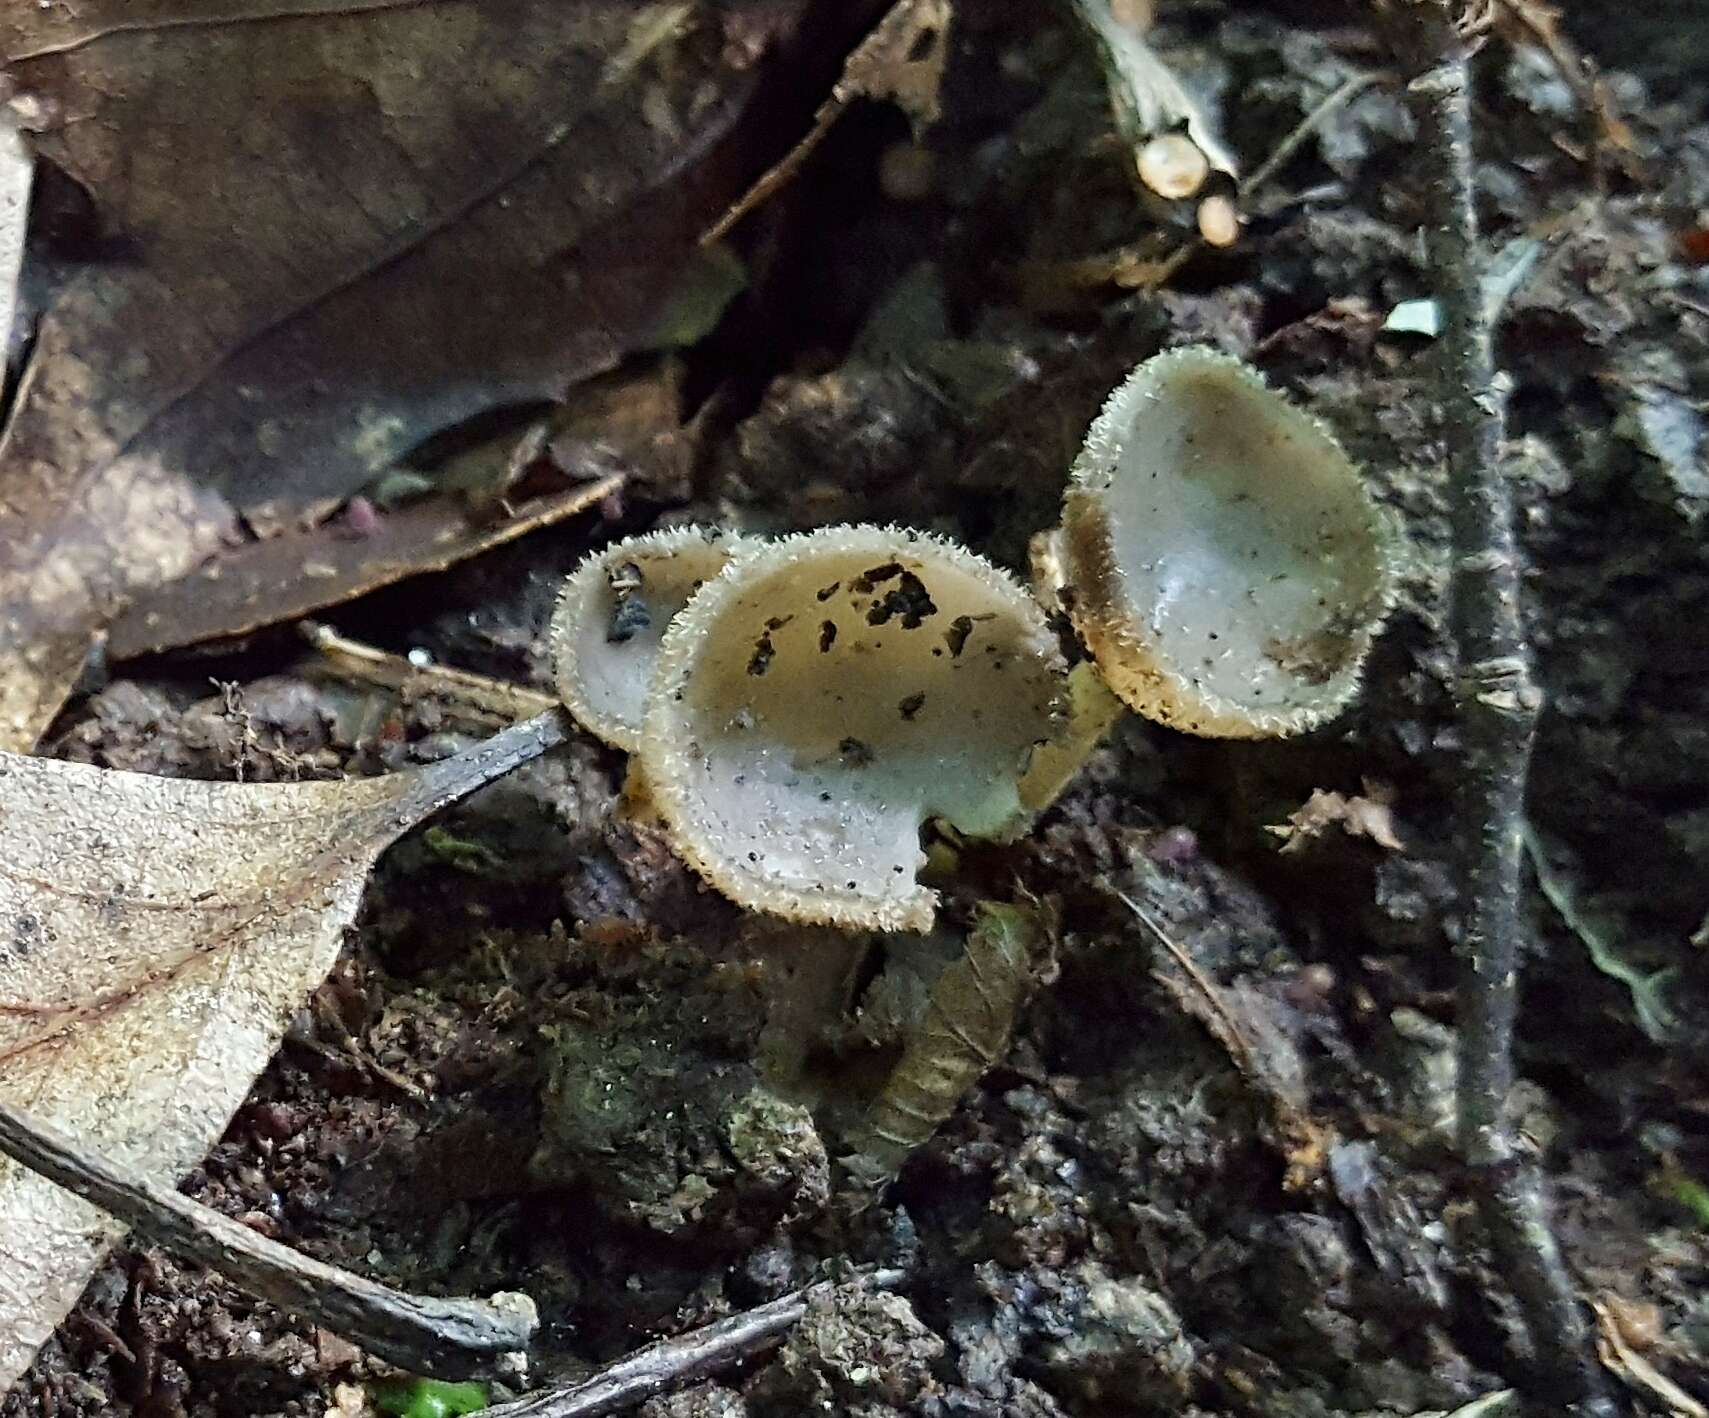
1498, 708
1093, 710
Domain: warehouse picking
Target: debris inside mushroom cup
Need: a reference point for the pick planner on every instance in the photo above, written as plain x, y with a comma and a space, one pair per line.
611, 618
1229, 568
824, 697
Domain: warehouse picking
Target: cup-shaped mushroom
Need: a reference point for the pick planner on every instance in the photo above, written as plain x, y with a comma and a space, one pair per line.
611, 618
825, 696
1228, 568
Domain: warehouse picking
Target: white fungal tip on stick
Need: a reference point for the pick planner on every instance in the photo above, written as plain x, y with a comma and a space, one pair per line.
827, 694
1229, 567
1173, 166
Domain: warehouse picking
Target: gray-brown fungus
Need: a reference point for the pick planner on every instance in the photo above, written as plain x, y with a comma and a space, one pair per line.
1227, 567
827, 694
611, 618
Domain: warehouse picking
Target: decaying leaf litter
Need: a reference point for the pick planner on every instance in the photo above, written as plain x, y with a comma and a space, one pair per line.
1102, 1223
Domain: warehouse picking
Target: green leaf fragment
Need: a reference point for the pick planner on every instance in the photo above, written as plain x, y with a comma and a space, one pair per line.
428, 1398
1685, 1191
1648, 988
473, 857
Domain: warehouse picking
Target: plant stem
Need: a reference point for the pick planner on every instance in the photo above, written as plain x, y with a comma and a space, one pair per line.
422, 1333
1498, 709
686, 1358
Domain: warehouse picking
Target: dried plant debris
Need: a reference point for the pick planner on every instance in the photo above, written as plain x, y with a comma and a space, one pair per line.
159, 937
611, 619
1175, 149
1229, 568
1368, 814
352, 274
827, 694
963, 1033
901, 60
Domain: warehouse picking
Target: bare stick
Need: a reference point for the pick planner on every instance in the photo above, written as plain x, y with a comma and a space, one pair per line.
422, 1333
1498, 708
497, 698
901, 59
671, 1363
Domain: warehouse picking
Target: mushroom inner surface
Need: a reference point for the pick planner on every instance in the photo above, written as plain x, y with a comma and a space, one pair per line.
1248, 552
615, 621
839, 698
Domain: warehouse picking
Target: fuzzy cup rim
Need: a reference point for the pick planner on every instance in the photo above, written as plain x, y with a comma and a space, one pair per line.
1106, 611
663, 751
588, 580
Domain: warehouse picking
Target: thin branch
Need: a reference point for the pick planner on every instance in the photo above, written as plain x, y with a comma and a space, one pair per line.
1302, 1140
670, 1363
1338, 98
497, 698
1498, 709
901, 59
422, 1333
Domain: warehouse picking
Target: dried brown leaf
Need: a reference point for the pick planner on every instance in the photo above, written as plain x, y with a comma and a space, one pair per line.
345, 226
963, 1034
156, 936
290, 576
1243, 1021
1368, 815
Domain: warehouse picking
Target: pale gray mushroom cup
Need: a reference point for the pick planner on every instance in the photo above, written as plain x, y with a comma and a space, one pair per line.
823, 697
610, 621
1224, 561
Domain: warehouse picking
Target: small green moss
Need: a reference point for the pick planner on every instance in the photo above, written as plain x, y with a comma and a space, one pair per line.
1685, 1191
428, 1398
460, 852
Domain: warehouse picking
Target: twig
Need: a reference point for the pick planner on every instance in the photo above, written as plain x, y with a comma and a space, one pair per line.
901, 59
422, 1333
1232, 1036
1303, 1141
497, 697
683, 1359
1138, 267
1338, 98
1498, 708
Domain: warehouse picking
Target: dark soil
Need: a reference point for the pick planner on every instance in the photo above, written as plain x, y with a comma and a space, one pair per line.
551, 1061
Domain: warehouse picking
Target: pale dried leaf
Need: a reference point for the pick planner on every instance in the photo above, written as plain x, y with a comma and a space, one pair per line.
1368, 815
156, 936
1637, 1371
17, 170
